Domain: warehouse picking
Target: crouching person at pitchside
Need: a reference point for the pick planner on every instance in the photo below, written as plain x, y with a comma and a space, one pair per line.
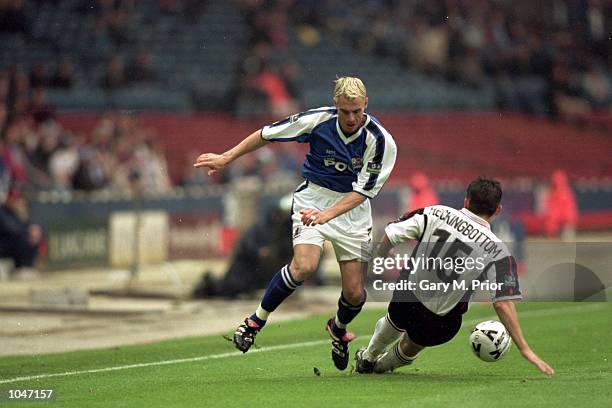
19, 238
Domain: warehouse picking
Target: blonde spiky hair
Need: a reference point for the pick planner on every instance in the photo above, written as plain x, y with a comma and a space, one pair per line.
350, 88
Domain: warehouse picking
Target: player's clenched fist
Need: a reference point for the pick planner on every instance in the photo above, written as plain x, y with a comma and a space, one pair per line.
213, 161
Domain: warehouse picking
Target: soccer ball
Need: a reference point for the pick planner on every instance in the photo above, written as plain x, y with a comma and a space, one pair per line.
490, 340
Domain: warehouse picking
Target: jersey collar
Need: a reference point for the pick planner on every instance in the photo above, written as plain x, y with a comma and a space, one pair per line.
476, 218
355, 135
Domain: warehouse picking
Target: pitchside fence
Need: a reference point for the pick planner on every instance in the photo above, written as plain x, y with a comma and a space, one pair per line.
103, 230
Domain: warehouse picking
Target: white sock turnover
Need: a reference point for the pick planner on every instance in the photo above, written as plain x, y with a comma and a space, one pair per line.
392, 359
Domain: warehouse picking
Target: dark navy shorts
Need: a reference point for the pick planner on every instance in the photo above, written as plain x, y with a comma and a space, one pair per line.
424, 327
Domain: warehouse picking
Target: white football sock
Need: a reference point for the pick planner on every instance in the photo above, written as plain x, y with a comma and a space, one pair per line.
384, 335
262, 313
392, 359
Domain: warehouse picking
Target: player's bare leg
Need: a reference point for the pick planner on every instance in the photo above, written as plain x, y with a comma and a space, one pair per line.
351, 301
403, 353
385, 333
305, 261
303, 265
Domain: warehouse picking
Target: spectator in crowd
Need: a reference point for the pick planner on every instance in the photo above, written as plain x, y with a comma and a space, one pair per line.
189, 9
13, 18
292, 77
3, 120
267, 23
273, 86
38, 107
5, 85
267, 80
422, 194
64, 161
140, 69
63, 77
249, 97
39, 76
92, 173
48, 141
193, 9
596, 86
152, 168
101, 42
565, 99
19, 91
473, 41
118, 21
560, 208
115, 74
13, 152
428, 46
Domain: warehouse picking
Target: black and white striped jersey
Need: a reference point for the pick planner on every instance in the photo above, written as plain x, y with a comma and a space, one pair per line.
457, 253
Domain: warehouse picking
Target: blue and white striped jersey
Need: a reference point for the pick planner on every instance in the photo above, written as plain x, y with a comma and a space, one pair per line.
360, 163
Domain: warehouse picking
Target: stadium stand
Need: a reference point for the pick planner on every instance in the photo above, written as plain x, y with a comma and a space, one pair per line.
198, 55
92, 90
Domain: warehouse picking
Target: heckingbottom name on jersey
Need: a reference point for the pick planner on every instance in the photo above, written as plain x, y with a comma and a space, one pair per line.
457, 253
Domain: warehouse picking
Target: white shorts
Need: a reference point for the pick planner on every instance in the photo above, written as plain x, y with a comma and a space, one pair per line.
349, 233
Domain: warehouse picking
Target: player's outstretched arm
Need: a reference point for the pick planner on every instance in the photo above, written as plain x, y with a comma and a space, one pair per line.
216, 162
506, 311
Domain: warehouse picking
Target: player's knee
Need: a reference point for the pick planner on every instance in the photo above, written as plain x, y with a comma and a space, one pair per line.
302, 268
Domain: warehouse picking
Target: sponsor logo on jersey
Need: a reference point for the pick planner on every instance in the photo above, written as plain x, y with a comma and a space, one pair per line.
374, 168
332, 162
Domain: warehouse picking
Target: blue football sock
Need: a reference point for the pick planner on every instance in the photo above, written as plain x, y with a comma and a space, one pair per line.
346, 313
280, 287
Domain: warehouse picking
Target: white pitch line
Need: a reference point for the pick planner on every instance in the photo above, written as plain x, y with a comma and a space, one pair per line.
165, 362
535, 313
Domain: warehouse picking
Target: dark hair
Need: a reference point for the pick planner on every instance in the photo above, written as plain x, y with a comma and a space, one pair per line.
484, 195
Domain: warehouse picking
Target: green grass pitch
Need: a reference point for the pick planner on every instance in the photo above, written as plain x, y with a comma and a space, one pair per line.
575, 338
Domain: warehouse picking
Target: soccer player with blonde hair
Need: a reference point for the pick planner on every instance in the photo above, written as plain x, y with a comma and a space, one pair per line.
351, 156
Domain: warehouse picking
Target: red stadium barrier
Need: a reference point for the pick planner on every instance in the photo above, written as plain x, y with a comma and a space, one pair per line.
456, 146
